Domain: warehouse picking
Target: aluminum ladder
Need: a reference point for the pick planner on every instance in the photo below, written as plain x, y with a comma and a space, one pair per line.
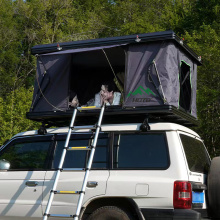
92, 147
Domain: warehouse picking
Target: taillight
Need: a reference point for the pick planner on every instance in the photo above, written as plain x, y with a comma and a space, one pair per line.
182, 195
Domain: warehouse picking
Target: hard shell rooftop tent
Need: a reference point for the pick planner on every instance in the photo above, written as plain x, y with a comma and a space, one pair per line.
155, 72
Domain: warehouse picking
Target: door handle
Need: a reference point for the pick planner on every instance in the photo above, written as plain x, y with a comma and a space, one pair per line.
31, 183
92, 184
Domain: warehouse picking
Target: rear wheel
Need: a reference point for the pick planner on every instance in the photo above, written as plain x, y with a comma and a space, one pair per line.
109, 213
214, 188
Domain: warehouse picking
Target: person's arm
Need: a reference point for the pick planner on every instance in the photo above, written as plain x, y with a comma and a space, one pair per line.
117, 98
106, 97
97, 100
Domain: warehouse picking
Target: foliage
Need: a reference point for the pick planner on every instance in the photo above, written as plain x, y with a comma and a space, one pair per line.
13, 113
24, 24
206, 42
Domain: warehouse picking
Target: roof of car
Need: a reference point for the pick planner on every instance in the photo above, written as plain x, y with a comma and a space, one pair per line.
116, 127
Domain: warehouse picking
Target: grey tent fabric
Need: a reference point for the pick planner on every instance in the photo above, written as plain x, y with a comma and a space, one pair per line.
138, 91
52, 90
156, 73
53, 95
194, 88
152, 76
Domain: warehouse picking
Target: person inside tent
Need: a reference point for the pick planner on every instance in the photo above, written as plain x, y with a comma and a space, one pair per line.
106, 95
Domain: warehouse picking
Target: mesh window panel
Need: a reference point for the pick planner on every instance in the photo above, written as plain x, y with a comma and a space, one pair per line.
185, 87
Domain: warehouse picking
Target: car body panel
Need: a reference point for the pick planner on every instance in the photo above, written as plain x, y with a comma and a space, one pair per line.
148, 188
18, 200
72, 181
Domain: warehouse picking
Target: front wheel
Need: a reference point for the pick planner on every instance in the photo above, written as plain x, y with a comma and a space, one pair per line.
109, 213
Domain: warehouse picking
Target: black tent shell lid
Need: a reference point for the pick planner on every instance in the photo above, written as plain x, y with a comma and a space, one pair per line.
140, 38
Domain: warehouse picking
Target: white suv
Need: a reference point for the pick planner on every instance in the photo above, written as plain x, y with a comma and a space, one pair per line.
158, 174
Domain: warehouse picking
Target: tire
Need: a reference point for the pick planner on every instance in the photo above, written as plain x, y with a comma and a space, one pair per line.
214, 188
109, 213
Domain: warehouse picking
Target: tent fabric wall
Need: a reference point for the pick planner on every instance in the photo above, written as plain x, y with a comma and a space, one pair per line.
151, 76
64, 68
194, 89
55, 95
143, 87
138, 90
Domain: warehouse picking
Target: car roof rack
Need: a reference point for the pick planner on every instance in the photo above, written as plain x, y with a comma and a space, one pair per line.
117, 115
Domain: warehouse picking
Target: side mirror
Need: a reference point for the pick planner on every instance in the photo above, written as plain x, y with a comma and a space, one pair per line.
4, 164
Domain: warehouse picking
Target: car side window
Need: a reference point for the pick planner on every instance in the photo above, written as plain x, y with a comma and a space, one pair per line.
140, 151
79, 158
196, 155
101, 158
74, 158
26, 155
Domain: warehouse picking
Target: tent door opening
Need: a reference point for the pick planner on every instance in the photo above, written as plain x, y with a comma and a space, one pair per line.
91, 69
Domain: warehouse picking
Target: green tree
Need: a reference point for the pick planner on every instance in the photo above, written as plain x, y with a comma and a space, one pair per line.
13, 113
206, 42
24, 24
9, 47
197, 22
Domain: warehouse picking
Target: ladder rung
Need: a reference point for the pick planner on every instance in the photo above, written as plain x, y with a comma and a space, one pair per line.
72, 169
86, 108
79, 148
91, 127
66, 192
60, 216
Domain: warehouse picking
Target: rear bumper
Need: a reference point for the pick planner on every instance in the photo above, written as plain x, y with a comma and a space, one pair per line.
170, 214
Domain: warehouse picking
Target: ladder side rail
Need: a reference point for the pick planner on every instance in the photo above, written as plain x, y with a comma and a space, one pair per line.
89, 164
60, 166
67, 139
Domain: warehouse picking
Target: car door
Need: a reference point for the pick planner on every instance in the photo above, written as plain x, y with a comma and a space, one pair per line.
140, 166
72, 180
21, 182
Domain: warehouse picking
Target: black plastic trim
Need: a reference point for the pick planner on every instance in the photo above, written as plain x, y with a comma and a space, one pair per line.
204, 212
198, 187
118, 114
22, 137
197, 205
170, 214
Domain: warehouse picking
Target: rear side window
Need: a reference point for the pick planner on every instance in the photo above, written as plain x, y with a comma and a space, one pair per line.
196, 155
140, 151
